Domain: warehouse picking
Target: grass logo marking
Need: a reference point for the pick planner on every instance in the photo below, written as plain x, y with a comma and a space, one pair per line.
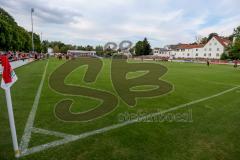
119, 69
124, 86
56, 82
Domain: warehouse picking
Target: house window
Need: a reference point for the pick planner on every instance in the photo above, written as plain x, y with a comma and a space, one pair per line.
205, 54
205, 49
196, 49
215, 43
210, 49
209, 54
188, 54
217, 49
196, 54
217, 54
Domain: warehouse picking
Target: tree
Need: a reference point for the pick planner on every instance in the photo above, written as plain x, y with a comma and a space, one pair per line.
234, 49
64, 49
89, 48
45, 46
146, 47
37, 42
139, 48
236, 32
2, 40
204, 40
224, 56
99, 50
131, 50
12, 36
56, 49
80, 48
143, 47
211, 35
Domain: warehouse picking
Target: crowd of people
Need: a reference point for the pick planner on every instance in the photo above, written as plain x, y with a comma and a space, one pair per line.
60, 56
16, 56
235, 63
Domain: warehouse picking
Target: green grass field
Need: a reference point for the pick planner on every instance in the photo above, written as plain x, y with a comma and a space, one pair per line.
212, 134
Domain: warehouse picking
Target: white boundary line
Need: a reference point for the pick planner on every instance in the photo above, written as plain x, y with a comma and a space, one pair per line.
108, 128
53, 133
28, 127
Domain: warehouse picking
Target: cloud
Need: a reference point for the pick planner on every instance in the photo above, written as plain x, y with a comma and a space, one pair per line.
44, 12
223, 27
96, 22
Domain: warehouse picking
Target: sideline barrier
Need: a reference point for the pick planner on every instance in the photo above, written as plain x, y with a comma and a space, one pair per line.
19, 63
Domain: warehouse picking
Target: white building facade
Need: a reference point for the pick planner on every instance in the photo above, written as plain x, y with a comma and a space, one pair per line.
213, 49
162, 52
81, 53
188, 51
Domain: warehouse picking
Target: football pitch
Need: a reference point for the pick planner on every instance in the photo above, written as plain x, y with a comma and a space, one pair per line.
80, 109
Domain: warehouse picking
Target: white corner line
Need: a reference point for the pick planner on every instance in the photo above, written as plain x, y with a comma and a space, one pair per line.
52, 133
28, 127
108, 128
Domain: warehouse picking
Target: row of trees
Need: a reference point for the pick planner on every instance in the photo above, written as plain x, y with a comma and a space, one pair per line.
14, 37
60, 47
141, 48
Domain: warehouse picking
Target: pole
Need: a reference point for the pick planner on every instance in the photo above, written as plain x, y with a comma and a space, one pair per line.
32, 10
41, 37
41, 42
11, 122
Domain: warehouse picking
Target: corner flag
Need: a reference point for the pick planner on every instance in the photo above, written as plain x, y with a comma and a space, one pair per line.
8, 79
8, 75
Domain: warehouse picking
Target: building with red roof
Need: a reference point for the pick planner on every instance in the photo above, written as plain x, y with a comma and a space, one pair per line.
213, 49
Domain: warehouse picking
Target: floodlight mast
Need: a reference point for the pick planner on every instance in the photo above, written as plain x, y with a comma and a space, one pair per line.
32, 10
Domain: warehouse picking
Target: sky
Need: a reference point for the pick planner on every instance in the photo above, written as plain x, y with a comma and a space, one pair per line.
96, 22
